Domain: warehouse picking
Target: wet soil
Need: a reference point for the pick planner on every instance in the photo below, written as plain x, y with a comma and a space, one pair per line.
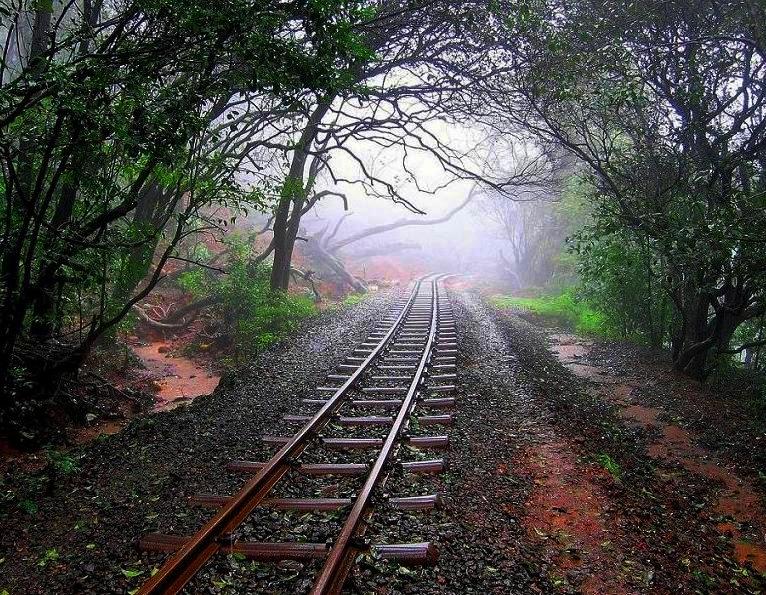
700, 496
738, 503
176, 379
554, 485
155, 379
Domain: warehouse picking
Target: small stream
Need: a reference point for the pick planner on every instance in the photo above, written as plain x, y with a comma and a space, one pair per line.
179, 379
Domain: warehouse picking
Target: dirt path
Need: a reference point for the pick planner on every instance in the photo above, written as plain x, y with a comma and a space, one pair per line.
663, 513
738, 502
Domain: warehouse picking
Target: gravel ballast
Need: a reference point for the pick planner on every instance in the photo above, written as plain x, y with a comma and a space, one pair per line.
82, 533
516, 404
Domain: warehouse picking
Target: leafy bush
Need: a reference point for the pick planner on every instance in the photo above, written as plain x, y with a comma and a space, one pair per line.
193, 281
621, 276
254, 316
62, 462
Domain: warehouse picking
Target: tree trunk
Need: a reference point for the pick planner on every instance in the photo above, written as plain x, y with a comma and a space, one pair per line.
280, 267
704, 334
293, 195
15, 303
149, 219
691, 347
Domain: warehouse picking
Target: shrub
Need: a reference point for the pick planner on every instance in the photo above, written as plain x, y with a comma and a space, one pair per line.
622, 278
62, 462
254, 316
608, 463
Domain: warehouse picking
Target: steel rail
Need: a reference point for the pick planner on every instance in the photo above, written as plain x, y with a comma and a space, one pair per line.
345, 548
215, 535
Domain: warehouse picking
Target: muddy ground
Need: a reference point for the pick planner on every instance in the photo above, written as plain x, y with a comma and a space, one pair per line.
576, 466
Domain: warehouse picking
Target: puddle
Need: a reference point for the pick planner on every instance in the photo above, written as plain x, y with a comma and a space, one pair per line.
180, 379
569, 348
584, 371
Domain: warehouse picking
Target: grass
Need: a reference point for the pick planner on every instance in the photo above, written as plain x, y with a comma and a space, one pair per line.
565, 308
352, 299
610, 465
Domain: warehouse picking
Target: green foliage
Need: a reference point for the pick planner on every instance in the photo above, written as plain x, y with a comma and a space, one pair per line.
28, 506
608, 463
352, 299
623, 277
50, 555
674, 252
115, 157
259, 317
62, 462
572, 212
566, 307
250, 315
193, 281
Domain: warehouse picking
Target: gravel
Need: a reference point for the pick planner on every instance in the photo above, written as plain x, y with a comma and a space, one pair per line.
513, 395
81, 533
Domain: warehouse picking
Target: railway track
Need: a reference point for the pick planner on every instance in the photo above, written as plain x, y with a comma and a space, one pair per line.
393, 386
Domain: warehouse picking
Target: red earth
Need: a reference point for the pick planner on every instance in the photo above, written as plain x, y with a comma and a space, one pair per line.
568, 513
177, 379
737, 497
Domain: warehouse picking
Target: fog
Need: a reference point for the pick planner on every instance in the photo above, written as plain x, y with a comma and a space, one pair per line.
470, 242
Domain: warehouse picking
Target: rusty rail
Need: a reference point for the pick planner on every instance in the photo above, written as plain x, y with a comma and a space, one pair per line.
189, 554
346, 546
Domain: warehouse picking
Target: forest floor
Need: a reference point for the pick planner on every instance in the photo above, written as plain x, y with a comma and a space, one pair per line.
575, 466
144, 373
647, 481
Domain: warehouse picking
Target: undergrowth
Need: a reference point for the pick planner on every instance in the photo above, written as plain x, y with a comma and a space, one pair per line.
566, 308
352, 299
251, 316
750, 384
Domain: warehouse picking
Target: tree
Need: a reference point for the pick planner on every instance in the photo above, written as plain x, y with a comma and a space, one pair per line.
327, 251
535, 223
664, 102
107, 159
424, 60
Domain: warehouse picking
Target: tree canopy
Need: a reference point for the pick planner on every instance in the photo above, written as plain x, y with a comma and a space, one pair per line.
129, 126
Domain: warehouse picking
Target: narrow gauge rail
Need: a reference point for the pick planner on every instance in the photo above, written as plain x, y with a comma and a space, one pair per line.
412, 352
